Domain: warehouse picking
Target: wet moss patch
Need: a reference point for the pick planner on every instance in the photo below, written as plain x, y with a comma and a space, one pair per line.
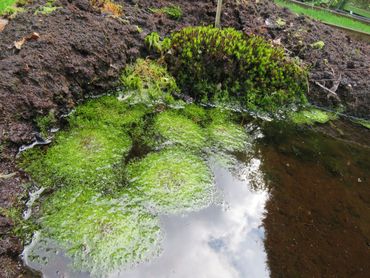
224, 134
81, 156
172, 181
101, 233
178, 129
312, 116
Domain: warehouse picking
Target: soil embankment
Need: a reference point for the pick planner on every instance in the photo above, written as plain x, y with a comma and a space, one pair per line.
80, 52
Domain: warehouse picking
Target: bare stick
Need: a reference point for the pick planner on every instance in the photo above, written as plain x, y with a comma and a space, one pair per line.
218, 14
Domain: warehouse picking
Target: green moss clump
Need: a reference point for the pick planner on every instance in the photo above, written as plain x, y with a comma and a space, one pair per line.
173, 12
225, 134
101, 233
312, 116
216, 64
81, 156
48, 8
195, 112
44, 123
11, 7
108, 111
172, 181
179, 130
147, 81
364, 123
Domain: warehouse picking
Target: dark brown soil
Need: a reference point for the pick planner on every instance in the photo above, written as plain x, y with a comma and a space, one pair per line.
80, 53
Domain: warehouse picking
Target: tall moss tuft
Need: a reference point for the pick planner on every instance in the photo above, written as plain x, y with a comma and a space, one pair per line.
215, 64
147, 81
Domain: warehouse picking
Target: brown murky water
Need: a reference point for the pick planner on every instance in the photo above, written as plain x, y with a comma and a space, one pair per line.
318, 220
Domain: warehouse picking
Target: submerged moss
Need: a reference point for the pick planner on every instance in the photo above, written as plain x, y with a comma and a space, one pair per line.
225, 134
364, 123
172, 181
101, 233
148, 82
81, 156
180, 130
312, 116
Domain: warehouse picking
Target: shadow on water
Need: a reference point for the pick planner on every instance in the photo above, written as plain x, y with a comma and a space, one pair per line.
318, 220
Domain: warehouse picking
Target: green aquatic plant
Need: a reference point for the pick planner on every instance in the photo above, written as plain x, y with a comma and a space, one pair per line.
81, 156
224, 133
173, 12
312, 116
100, 233
147, 81
180, 130
216, 64
172, 181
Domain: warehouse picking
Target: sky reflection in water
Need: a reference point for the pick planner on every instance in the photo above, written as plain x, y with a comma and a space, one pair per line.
220, 241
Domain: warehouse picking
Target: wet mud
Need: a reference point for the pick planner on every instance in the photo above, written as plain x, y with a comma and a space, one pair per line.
80, 53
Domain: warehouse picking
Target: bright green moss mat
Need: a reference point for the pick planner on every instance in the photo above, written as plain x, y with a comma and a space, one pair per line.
312, 116
4, 4
172, 181
225, 134
177, 129
101, 233
82, 156
108, 111
325, 16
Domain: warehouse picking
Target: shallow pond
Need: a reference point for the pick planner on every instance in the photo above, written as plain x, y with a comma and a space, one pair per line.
198, 192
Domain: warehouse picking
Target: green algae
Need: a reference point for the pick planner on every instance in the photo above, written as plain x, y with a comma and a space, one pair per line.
101, 233
180, 130
312, 116
172, 181
80, 156
149, 82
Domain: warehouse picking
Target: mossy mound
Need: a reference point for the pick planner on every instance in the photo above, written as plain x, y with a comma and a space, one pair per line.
172, 181
215, 64
108, 111
81, 156
147, 81
312, 116
195, 112
224, 134
178, 129
100, 233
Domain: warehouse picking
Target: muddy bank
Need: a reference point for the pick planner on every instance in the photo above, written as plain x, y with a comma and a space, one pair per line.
81, 51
